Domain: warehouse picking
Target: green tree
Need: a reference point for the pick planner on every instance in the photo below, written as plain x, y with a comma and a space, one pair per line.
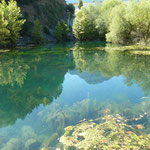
12, 15
71, 8
58, 32
126, 27
37, 35
140, 31
120, 29
91, 23
84, 27
4, 32
80, 4
61, 32
107, 7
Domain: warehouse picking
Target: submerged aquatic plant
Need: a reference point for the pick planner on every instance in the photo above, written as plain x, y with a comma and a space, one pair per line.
113, 133
56, 116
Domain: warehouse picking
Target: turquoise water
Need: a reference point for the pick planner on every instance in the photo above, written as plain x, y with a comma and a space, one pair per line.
45, 89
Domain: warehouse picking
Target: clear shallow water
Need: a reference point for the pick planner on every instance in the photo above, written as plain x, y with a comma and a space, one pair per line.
45, 89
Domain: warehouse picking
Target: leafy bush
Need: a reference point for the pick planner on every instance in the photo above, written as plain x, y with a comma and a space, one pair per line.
91, 23
130, 23
106, 10
61, 32
11, 22
4, 32
37, 36
84, 27
119, 22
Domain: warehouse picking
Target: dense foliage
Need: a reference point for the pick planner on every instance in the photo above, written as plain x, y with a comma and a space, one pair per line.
48, 12
10, 22
84, 26
4, 32
71, 8
91, 22
114, 20
61, 31
130, 23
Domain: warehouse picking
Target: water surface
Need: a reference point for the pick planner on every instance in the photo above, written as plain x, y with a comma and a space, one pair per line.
45, 89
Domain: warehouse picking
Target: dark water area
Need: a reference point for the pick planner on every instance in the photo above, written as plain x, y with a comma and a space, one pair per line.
47, 88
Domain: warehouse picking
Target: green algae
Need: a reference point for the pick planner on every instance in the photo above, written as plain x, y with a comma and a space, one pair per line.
91, 115
91, 112
114, 133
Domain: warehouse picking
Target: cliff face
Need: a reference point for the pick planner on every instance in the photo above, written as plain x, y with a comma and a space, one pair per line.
47, 11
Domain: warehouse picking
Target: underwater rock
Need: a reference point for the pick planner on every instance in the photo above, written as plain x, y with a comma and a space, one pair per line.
28, 133
12, 144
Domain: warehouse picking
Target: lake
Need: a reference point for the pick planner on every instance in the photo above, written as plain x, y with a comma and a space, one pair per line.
47, 88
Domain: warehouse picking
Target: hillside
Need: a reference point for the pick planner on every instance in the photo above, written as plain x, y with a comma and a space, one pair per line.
47, 11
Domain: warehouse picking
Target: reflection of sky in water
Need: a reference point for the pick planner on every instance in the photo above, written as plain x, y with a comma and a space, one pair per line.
76, 89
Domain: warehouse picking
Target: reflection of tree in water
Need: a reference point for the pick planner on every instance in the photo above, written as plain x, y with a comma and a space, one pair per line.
134, 68
12, 71
92, 78
40, 81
